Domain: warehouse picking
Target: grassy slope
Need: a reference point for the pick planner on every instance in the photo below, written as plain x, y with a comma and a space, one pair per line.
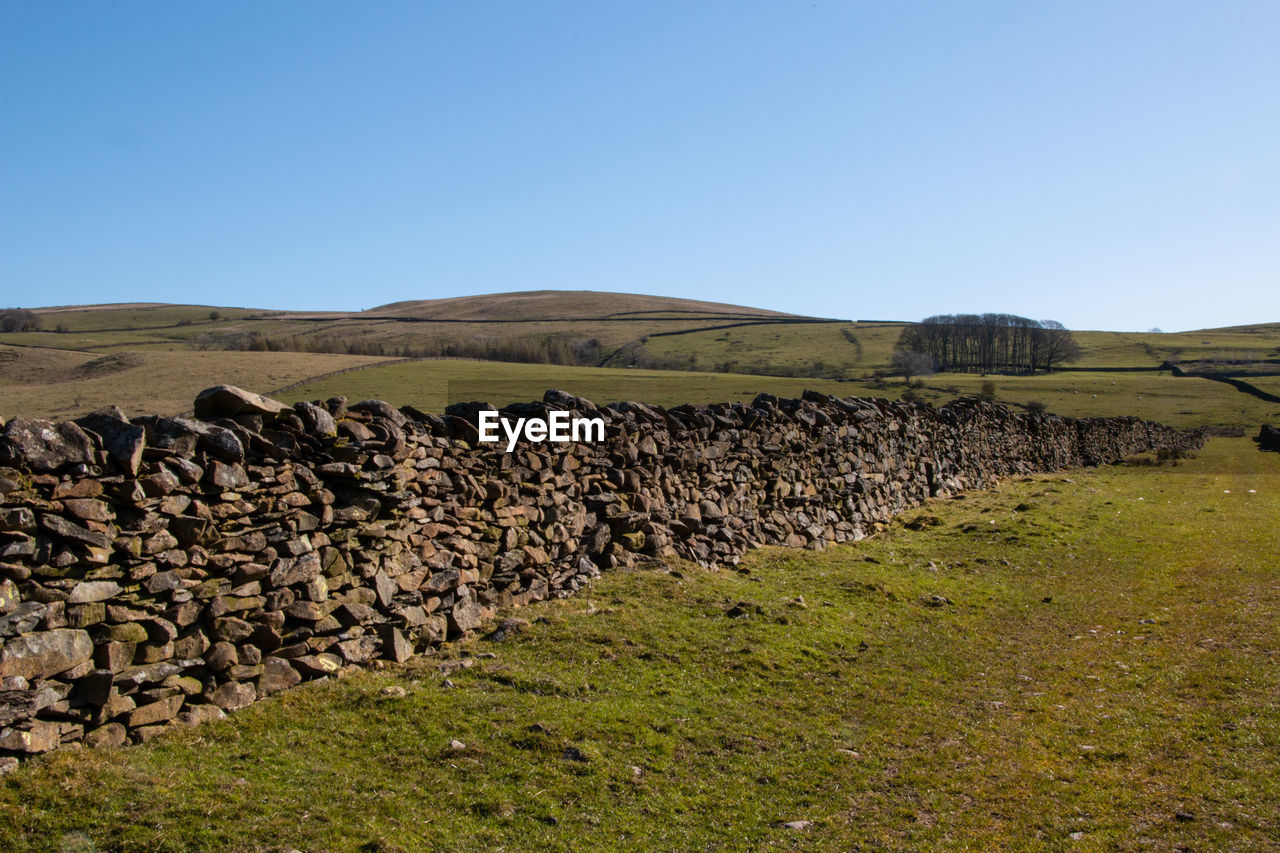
1101, 679
148, 382
584, 314
1183, 402
431, 385
614, 320
43, 380
68, 384
557, 304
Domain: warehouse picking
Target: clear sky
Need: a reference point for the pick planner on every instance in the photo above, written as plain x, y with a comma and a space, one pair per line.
1111, 164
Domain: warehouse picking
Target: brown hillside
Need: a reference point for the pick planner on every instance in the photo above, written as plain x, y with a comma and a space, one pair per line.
563, 305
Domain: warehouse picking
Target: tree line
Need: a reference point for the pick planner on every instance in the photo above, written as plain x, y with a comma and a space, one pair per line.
984, 343
549, 350
19, 320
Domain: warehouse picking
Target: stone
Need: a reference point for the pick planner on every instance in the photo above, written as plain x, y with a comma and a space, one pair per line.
35, 736
45, 653
232, 629
288, 571
10, 598
506, 629
88, 509
186, 685
198, 714
316, 666
127, 632
221, 656
226, 401
216, 441
465, 616
44, 446
107, 736
316, 420
152, 673
163, 482
70, 530
19, 703
117, 706
114, 656
156, 712
91, 591
228, 476
234, 695
381, 409
95, 688
14, 519
123, 441
359, 650
394, 645
277, 675
143, 734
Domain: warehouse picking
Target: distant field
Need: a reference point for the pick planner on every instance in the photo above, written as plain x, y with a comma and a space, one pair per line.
833, 350
146, 382
562, 304
144, 354
107, 317
1270, 384
596, 323
1183, 402
432, 385
54, 383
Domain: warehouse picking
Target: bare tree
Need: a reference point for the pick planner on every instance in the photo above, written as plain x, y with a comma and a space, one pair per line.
1059, 345
911, 363
19, 320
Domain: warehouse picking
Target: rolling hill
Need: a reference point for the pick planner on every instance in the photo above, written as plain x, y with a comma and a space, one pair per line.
155, 357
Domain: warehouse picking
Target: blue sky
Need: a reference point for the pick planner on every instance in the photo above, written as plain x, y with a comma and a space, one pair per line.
1108, 164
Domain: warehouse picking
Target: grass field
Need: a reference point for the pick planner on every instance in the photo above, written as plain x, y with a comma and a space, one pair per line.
611, 319
431, 385
57, 384
1102, 678
1184, 402
578, 304
156, 357
617, 321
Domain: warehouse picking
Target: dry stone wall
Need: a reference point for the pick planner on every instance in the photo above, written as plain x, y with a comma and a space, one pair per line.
164, 571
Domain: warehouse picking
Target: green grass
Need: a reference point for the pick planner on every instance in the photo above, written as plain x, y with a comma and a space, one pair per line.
100, 318
770, 349
726, 364
818, 349
1101, 679
1184, 402
55, 384
433, 384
